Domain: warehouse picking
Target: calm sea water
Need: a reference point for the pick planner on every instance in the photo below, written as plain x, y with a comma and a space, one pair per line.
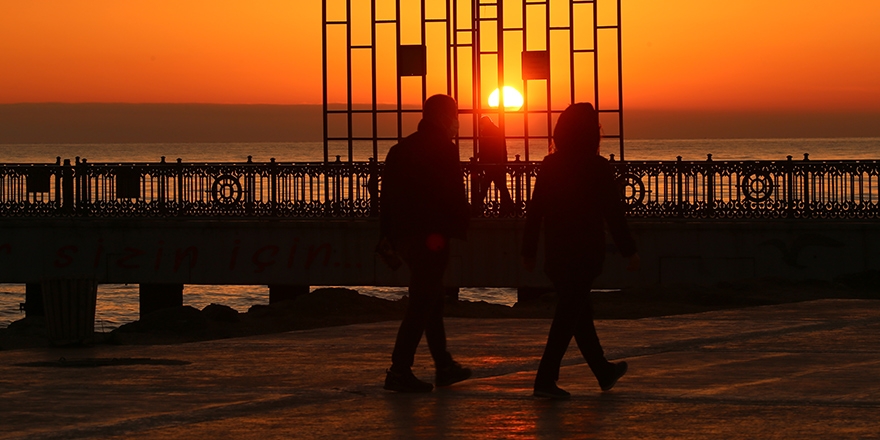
118, 304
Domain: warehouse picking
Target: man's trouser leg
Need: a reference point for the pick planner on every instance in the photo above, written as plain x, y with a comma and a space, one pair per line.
424, 312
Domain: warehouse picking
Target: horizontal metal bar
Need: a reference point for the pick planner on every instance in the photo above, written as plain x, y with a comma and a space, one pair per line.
405, 110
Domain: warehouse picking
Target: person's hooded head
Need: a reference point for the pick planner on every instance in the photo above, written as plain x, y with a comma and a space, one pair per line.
488, 128
578, 130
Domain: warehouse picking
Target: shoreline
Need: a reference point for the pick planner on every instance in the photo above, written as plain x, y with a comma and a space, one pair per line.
339, 306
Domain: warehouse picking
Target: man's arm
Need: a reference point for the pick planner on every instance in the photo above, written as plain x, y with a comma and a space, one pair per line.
389, 194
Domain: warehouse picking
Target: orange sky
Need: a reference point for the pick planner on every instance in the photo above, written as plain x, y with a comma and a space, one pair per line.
678, 54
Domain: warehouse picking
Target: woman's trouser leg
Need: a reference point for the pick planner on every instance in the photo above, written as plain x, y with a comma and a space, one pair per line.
573, 318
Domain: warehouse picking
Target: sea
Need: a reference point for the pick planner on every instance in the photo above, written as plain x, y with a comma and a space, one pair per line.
118, 303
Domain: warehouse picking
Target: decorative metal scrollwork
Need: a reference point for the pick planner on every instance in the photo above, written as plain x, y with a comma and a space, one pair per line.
658, 189
632, 188
226, 190
757, 186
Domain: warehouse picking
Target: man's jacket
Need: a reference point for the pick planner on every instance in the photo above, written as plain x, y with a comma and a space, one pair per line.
423, 187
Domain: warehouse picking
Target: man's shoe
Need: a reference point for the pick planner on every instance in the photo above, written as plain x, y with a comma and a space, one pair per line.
551, 391
405, 383
452, 374
617, 371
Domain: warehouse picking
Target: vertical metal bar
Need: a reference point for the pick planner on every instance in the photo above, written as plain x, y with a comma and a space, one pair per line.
525, 47
499, 58
595, 55
476, 49
324, 61
449, 50
424, 43
373, 61
399, 80
571, 72
549, 89
348, 80
620, 79
454, 59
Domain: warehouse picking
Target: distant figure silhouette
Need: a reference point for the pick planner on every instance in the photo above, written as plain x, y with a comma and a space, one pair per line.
575, 196
493, 157
423, 204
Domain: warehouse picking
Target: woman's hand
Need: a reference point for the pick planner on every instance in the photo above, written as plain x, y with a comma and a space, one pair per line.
529, 263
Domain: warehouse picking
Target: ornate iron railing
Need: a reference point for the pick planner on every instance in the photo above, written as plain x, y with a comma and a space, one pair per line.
752, 189
652, 189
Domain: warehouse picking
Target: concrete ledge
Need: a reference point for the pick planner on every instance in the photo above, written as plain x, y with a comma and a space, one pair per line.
341, 252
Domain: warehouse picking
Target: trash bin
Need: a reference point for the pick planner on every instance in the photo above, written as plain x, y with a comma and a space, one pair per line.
70, 310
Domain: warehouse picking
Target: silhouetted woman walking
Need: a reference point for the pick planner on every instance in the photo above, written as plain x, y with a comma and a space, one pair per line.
575, 197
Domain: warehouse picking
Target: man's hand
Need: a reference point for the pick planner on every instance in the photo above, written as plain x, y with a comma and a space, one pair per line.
529, 263
386, 251
635, 263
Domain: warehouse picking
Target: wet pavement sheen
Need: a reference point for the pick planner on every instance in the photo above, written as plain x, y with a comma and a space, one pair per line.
804, 370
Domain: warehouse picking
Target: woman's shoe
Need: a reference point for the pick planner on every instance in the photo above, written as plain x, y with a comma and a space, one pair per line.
617, 371
551, 391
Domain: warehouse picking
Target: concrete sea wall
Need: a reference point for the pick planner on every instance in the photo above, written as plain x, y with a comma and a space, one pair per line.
341, 252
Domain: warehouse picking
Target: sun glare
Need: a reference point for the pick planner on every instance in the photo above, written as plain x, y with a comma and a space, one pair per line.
513, 99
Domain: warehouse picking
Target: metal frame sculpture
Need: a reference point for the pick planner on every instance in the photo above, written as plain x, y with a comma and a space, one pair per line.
556, 51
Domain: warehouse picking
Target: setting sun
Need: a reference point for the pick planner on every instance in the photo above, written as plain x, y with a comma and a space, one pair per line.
513, 99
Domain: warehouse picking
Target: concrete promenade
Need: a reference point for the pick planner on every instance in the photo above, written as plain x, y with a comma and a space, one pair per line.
803, 370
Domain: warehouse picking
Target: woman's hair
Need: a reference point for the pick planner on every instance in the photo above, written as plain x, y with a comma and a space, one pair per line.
578, 129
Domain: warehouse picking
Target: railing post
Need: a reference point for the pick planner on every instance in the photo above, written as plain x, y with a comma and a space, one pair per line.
67, 187
58, 193
79, 195
161, 186
516, 177
476, 202
373, 187
789, 188
807, 184
84, 187
679, 196
710, 186
249, 187
181, 203
337, 186
273, 186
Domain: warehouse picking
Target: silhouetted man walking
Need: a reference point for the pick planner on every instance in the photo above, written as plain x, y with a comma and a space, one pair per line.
423, 204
